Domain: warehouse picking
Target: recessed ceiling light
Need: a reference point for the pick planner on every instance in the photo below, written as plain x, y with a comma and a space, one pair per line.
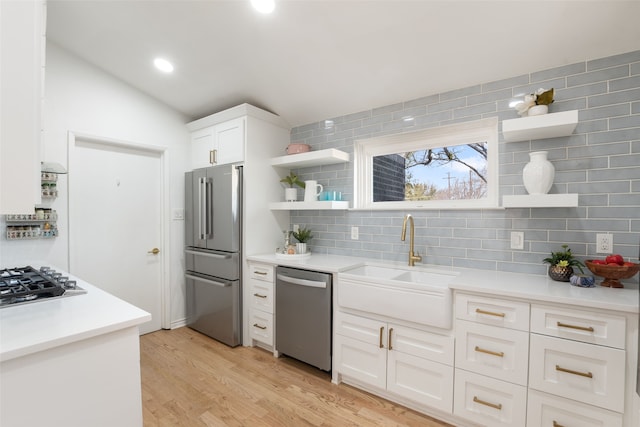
163, 65
264, 6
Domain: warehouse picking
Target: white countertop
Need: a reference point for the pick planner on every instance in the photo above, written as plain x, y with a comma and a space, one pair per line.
38, 326
515, 285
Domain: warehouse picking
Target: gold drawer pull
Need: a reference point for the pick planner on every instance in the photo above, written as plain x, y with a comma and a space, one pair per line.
262, 273
390, 332
259, 295
555, 424
255, 325
493, 353
497, 406
569, 371
490, 313
213, 156
582, 328
381, 331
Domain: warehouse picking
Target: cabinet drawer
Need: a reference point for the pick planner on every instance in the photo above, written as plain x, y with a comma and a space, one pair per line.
261, 272
586, 326
492, 311
261, 294
261, 326
545, 410
589, 373
489, 401
360, 328
425, 345
493, 351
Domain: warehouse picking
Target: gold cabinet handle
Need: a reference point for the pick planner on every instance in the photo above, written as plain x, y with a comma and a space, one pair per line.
255, 325
259, 295
262, 273
497, 406
389, 343
213, 154
581, 328
493, 353
381, 331
570, 371
489, 313
154, 251
555, 424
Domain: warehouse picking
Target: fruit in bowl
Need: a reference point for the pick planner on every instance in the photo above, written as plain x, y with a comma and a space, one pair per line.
612, 268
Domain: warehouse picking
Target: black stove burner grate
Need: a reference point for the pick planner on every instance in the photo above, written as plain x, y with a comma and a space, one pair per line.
25, 284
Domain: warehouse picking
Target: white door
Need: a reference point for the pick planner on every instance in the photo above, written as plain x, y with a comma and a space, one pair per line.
115, 205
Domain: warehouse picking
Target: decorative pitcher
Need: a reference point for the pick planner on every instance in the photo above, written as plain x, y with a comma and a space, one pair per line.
312, 190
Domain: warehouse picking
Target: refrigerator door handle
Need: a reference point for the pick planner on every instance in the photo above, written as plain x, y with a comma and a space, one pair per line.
198, 253
211, 282
202, 207
302, 282
209, 205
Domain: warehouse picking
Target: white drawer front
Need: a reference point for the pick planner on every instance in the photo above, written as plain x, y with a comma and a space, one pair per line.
489, 350
261, 272
545, 410
426, 345
425, 382
261, 327
492, 311
489, 401
588, 373
261, 295
361, 361
586, 326
360, 328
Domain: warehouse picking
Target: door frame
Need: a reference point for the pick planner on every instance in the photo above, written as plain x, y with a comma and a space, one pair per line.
165, 291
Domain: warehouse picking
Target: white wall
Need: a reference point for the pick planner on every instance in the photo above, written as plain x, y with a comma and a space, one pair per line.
83, 99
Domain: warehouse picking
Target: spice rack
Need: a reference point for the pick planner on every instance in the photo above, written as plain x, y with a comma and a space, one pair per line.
49, 185
38, 225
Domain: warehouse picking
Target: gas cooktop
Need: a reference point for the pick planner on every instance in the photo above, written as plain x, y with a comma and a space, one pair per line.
26, 284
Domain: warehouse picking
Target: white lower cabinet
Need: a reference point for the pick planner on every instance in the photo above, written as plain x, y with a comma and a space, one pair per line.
545, 410
261, 309
408, 362
489, 401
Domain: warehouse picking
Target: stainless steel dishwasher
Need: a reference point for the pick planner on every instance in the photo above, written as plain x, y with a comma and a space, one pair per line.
303, 316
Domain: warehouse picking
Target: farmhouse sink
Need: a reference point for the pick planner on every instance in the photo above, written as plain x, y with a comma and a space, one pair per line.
413, 294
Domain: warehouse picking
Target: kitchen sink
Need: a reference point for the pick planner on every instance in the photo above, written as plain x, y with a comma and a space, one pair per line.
414, 294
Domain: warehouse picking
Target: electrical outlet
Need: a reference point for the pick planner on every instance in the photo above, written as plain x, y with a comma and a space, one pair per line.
354, 233
296, 228
604, 243
517, 240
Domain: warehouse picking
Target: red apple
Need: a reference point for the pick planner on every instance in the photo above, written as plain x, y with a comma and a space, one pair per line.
628, 264
614, 259
598, 261
615, 264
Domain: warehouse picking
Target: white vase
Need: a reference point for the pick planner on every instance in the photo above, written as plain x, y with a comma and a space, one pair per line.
538, 110
290, 194
301, 248
538, 174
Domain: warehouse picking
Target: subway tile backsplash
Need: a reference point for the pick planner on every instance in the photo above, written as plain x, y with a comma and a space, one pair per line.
600, 162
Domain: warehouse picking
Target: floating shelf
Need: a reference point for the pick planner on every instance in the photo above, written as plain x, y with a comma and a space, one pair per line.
320, 205
311, 158
551, 125
541, 201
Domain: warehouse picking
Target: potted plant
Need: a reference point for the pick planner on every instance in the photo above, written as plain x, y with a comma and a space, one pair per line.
303, 235
561, 264
290, 193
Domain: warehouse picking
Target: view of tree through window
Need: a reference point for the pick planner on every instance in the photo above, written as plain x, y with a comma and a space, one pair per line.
457, 172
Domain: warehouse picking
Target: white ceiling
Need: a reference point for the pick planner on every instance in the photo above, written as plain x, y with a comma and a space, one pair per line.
313, 60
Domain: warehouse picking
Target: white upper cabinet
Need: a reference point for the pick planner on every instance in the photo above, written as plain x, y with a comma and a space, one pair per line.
21, 79
218, 145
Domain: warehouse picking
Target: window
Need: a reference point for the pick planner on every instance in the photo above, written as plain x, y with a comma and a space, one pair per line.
449, 167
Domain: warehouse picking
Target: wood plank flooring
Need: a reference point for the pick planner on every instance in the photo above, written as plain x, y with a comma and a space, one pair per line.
189, 379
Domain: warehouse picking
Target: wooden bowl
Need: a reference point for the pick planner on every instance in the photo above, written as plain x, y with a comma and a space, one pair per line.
612, 273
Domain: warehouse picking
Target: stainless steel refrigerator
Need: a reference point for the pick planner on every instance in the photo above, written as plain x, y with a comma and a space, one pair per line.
213, 253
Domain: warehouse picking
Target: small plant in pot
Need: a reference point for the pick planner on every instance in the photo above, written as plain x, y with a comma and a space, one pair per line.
291, 193
303, 235
561, 264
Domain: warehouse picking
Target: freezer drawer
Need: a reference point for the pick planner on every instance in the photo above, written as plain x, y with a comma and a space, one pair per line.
214, 308
213, 263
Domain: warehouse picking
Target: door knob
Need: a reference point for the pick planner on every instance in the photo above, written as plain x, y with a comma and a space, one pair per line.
154, 251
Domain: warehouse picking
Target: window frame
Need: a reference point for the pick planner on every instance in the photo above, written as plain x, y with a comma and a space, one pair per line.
449, 135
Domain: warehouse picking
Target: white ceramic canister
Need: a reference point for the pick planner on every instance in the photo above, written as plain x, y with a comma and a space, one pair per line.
538, 174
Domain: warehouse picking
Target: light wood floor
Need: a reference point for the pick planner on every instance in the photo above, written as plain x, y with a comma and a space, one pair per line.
189, 379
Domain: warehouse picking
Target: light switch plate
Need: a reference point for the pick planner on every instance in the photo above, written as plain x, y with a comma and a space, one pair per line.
354, 233
517, 240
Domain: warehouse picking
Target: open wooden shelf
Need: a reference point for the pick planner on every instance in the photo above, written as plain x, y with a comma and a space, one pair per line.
541, 201
293, 206
311, 158
551, 125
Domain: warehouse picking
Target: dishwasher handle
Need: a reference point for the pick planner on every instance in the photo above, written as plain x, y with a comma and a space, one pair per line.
302, 282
